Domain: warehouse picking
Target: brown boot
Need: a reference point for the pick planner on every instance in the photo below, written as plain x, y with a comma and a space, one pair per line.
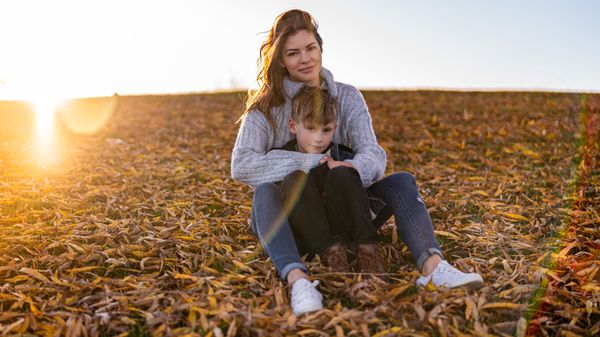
336, 258
369, 260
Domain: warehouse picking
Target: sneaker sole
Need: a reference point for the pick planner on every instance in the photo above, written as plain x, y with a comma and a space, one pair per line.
471, 285
310, 309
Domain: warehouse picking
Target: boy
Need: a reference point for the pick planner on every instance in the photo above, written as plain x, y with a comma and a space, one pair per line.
328, 208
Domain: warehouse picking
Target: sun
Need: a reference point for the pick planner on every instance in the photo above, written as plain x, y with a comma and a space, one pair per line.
45, 108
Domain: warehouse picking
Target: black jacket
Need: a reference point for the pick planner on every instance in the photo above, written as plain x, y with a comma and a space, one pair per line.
340, 152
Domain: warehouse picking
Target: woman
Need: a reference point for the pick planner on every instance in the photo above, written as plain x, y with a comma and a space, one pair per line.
290, 58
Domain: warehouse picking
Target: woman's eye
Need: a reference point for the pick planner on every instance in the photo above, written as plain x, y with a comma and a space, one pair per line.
294, 53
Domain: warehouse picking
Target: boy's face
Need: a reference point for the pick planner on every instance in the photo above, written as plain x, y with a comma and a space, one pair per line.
312, 138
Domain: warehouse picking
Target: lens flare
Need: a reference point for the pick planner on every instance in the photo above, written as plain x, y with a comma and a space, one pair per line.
87, 115
292, 199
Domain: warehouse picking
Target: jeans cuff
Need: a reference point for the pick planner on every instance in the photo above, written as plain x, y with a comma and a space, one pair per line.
427, 253
285, 270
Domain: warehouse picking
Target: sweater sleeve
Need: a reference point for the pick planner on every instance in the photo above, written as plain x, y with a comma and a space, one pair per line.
252, 160
370, 158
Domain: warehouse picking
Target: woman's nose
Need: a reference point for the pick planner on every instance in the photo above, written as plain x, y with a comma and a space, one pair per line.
304, 57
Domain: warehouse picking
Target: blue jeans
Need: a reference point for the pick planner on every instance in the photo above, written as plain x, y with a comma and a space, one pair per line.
399, 192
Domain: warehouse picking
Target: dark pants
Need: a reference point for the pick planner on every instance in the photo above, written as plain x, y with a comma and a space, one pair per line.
399, 191
327, 206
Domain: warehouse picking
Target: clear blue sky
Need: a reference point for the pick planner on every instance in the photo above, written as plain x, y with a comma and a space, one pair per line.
88, 48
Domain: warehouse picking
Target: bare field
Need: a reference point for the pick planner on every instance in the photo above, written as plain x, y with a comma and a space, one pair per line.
136, 229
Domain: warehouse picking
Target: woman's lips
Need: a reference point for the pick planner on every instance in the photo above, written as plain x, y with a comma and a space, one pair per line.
306, 70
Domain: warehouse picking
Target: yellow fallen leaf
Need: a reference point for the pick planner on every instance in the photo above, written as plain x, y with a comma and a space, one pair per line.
185, 237
82, 269
209, 269
7, 297
480, 192
502, 305
566, 250
185, 277
212, 301
448, 234
34, 310
397, 291
34, 273
388, 331
521, 327
470, 309
514, 216
242, 266
591, 287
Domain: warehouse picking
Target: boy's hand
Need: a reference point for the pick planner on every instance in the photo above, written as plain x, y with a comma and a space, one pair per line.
325, 159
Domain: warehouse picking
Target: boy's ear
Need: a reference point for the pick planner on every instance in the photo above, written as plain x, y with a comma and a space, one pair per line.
292, 126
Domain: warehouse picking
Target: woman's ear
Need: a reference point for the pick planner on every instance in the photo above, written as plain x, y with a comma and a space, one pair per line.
292, 126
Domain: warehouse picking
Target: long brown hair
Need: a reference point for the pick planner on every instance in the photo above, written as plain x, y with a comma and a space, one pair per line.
270, 72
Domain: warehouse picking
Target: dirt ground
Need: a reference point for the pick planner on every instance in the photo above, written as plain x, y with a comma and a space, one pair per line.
135, 228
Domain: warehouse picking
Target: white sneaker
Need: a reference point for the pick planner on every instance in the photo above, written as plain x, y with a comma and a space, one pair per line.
446, 275
305, 297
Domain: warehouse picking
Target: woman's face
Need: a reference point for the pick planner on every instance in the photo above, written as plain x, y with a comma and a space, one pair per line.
302, 58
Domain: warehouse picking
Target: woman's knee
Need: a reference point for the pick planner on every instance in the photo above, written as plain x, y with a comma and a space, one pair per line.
340, 176
403, 180
266, 191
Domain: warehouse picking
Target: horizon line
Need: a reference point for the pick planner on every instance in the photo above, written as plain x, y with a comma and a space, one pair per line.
364, 88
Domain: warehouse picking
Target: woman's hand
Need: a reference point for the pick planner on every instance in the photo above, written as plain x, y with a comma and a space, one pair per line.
334, 163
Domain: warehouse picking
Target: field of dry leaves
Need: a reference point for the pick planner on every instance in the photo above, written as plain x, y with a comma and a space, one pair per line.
138, 230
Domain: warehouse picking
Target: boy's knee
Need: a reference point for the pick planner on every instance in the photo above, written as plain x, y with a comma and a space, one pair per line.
295, 176
341, 175
293, 183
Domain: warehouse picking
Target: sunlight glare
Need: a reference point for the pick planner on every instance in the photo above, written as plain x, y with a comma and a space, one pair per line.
44, 116
45, 110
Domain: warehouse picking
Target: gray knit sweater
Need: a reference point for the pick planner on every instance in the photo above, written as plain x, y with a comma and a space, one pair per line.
252, 162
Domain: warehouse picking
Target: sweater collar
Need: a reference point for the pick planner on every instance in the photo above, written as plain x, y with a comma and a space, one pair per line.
290, 87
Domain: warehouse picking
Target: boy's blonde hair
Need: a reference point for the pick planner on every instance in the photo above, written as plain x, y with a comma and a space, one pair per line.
314, 106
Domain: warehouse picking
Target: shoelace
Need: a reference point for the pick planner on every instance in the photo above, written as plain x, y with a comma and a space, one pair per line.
305, 289
314, 283
444, 268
